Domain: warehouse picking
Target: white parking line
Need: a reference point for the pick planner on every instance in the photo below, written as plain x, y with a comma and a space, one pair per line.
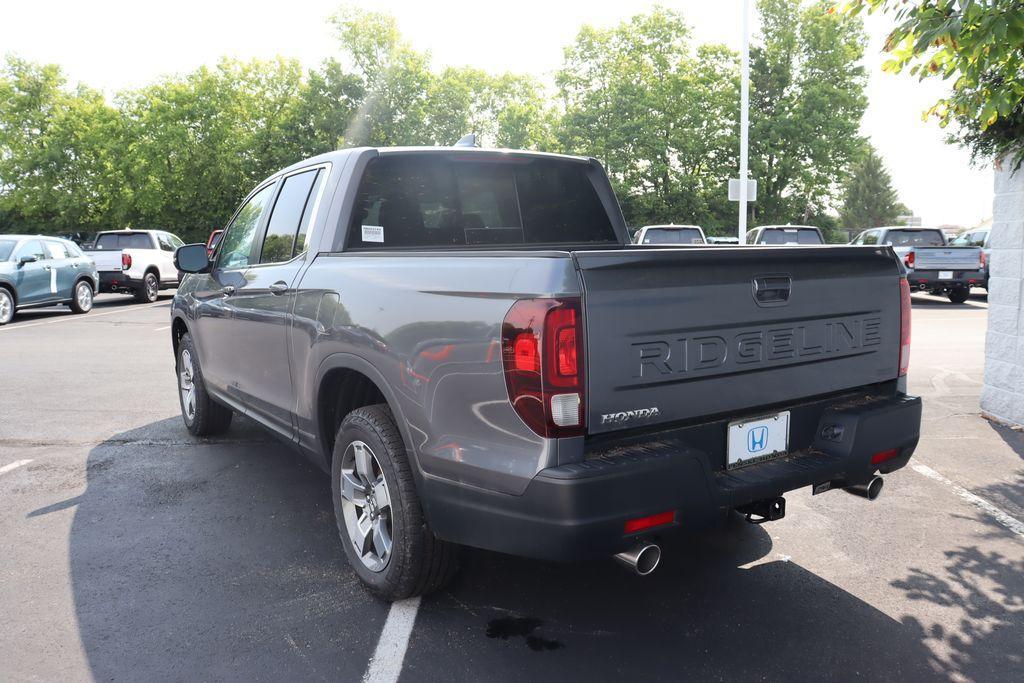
1010, 522
386, 664
14, 465
161, 329
80, 319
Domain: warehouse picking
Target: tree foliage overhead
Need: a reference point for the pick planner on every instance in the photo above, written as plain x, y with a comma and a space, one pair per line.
658, 110
977, 45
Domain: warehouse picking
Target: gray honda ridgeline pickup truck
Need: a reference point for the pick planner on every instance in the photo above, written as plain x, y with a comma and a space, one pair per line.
468, 342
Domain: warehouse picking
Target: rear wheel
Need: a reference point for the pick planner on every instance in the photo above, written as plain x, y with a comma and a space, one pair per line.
150, 289
959, 295
6, 306
386, 538
81, 302
203, 416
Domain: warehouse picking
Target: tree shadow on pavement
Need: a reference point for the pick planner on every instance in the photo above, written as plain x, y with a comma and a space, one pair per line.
707, 613
213, 559
987, 588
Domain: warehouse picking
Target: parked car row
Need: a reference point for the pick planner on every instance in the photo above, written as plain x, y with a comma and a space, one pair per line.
934, 264
37, 270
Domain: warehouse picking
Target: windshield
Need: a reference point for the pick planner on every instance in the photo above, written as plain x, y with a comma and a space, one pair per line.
672, 236
915, 238
6, 247
791, 236
124, 240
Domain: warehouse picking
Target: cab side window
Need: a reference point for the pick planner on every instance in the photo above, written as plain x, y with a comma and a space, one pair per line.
870, 237
164, 241
236, 249
289, 217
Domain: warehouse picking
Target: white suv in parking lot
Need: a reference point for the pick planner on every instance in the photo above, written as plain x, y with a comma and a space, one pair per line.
139, 262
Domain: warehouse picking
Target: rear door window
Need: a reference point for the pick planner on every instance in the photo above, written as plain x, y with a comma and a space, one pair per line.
433, 201
56, 250
288, 214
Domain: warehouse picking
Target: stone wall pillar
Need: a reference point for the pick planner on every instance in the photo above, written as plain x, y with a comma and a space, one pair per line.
1002, 396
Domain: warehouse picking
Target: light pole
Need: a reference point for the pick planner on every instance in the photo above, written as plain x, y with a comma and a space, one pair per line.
744, 122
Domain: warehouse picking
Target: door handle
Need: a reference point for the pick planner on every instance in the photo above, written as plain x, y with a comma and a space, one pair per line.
227, 290
279, 287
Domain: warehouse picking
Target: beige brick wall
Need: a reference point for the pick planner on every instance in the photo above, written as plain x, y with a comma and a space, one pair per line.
1002, 396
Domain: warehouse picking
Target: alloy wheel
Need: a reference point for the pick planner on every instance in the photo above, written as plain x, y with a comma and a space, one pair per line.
84, 296
366, 506
186, 385
6, 307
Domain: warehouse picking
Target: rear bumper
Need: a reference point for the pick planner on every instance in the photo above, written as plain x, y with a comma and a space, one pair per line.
930, 280
578, 511
117, 281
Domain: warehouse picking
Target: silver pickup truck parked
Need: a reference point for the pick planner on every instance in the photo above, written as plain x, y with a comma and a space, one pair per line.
931, 264
468, 343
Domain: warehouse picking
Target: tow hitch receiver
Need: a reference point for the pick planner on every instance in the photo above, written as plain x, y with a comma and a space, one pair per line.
763, 511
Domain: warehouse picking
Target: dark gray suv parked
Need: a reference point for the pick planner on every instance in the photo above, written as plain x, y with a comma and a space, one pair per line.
468, 342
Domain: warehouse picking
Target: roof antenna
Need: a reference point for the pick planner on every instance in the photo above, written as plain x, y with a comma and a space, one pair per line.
467, 141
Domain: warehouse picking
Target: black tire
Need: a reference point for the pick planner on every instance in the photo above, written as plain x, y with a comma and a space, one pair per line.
207, 417
6, 306
149, 291
419, 562
959, 295
79, 302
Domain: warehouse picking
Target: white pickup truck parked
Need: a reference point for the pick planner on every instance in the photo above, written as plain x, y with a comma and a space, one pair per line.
139, 262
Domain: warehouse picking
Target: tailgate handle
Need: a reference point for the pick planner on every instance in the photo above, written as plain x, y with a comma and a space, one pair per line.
772, 290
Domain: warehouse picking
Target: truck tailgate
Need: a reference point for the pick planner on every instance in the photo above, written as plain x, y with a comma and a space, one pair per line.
105, 259
680, 334
947, 258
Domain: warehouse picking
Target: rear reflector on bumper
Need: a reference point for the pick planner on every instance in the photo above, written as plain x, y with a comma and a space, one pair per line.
882, 456
641, 523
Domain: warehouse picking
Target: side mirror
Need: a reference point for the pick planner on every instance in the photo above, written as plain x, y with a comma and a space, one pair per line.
30, 258
192, 258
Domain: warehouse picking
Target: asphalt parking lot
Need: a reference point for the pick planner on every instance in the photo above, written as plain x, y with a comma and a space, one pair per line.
130, 551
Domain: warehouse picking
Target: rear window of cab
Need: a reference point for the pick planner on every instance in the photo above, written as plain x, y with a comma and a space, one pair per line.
437, 201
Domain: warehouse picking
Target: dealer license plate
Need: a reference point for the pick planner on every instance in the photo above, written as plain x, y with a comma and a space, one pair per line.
757, 439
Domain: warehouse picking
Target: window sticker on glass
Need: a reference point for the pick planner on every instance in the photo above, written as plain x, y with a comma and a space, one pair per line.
373, 233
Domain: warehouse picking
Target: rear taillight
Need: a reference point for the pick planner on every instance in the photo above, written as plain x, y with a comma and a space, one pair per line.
126, 261
908, 260
542, 354
904, 326
981, 260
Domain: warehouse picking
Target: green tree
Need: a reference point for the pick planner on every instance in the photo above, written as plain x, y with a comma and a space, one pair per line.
660, 115
58, 152
807, 100
978, 47
870, 199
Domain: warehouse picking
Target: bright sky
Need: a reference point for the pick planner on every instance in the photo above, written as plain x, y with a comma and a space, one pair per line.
112, 44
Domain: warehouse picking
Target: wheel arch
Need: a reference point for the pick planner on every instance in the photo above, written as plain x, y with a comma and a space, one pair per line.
179, 328
344, 383
11, 289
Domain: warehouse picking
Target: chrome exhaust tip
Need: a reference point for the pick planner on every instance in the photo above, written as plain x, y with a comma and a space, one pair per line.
643, 558
870, 490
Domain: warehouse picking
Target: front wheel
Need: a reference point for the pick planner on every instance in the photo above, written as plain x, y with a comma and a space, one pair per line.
959, 295
81, 302
386, 538
150, 289
202, 415
6, 306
